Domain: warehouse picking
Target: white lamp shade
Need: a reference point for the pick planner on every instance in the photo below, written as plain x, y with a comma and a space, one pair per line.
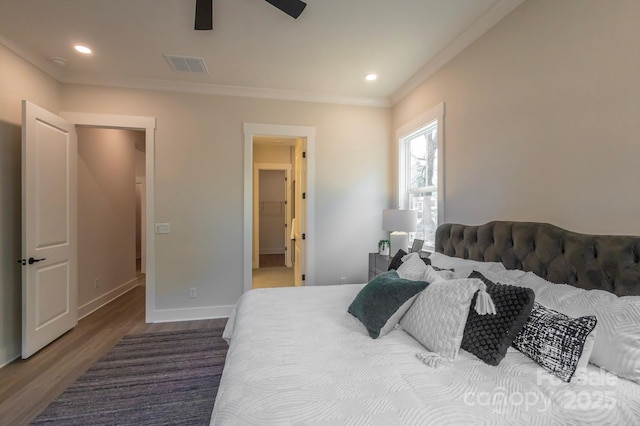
399, 220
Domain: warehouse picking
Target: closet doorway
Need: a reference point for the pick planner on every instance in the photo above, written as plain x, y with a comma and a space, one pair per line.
296, 143
272, 224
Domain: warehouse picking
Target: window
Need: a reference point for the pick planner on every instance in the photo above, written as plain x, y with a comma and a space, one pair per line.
420, 174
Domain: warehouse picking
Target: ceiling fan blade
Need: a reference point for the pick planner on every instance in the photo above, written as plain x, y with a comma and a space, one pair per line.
292, 8
204, 15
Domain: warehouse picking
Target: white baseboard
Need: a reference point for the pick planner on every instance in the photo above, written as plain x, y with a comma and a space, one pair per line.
10, 359
99, 302
189, 314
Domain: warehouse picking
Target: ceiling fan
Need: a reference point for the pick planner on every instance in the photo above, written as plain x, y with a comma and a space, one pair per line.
204, 11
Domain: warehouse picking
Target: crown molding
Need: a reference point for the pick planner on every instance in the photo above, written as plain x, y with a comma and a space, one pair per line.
223, 90
490, 18
33, 58
480, 26
67, 77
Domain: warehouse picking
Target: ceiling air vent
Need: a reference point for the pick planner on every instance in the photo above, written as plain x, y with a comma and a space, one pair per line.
187, 64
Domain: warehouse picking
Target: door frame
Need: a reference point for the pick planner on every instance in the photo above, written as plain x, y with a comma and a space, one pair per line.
286, 168
277, 130
148, 125
142, 180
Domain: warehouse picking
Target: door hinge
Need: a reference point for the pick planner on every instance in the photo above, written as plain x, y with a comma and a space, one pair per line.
304, 154
304, 195
304, 277
304, 236
285, 225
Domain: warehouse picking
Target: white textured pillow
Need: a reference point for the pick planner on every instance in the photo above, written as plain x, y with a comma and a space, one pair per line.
438, 316
443, 261
432, 276
412, 267
617, 334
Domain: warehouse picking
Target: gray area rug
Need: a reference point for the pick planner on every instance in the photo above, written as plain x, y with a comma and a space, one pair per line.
168, 378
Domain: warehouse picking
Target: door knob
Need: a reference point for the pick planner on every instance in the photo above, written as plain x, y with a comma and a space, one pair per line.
31, 260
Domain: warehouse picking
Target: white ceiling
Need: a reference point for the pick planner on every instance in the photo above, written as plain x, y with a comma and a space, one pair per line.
254, 49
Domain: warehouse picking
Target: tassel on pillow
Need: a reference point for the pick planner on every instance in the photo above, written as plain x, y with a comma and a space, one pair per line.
432, 359
484, 303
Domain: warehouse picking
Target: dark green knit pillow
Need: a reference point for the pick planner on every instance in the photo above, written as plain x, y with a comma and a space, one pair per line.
381, 303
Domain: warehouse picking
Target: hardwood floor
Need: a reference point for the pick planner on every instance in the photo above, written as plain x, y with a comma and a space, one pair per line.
28, 386
271, 260
272, 277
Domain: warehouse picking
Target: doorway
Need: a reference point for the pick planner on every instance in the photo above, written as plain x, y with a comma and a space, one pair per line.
110, 162
306, 138
272, 215
148, 126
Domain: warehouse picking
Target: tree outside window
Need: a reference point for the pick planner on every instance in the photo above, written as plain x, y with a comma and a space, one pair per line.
419, 179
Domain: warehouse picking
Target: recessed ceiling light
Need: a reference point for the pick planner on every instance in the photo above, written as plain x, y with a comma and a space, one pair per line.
371, 76
82, 49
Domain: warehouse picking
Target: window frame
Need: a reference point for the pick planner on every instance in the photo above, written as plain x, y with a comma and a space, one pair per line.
435, 114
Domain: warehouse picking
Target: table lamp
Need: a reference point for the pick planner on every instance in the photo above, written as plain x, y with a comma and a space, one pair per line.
399, 222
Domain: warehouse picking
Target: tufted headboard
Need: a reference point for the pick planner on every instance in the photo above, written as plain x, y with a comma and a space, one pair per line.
605, 262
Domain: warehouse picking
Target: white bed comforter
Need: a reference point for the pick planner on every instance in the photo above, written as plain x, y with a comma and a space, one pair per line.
296, 357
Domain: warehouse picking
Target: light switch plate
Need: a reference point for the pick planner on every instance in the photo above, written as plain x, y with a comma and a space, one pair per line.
163, 228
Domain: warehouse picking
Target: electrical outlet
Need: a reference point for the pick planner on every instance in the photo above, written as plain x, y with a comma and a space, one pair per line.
342, 280
96, 283
193, 292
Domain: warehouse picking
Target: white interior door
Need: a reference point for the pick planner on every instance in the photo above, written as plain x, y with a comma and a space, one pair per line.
300, 229
49, 227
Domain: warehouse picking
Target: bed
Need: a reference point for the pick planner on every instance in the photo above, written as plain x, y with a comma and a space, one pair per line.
298, 357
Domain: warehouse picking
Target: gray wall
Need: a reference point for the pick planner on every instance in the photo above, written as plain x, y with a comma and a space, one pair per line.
542, 118
199, 184
106, 211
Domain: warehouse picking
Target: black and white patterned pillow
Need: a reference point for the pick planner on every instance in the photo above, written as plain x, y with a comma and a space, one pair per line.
554, 340
489, 336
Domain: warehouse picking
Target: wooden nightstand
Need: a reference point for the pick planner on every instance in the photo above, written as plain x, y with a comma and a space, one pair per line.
378, 264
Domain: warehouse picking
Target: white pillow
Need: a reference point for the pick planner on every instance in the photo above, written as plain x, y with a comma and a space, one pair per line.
432, 276
395, 318
509, 276
438, 316
583, 362
535, 283
443, 261
617, 334
412, 267
617, 342
446, 274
